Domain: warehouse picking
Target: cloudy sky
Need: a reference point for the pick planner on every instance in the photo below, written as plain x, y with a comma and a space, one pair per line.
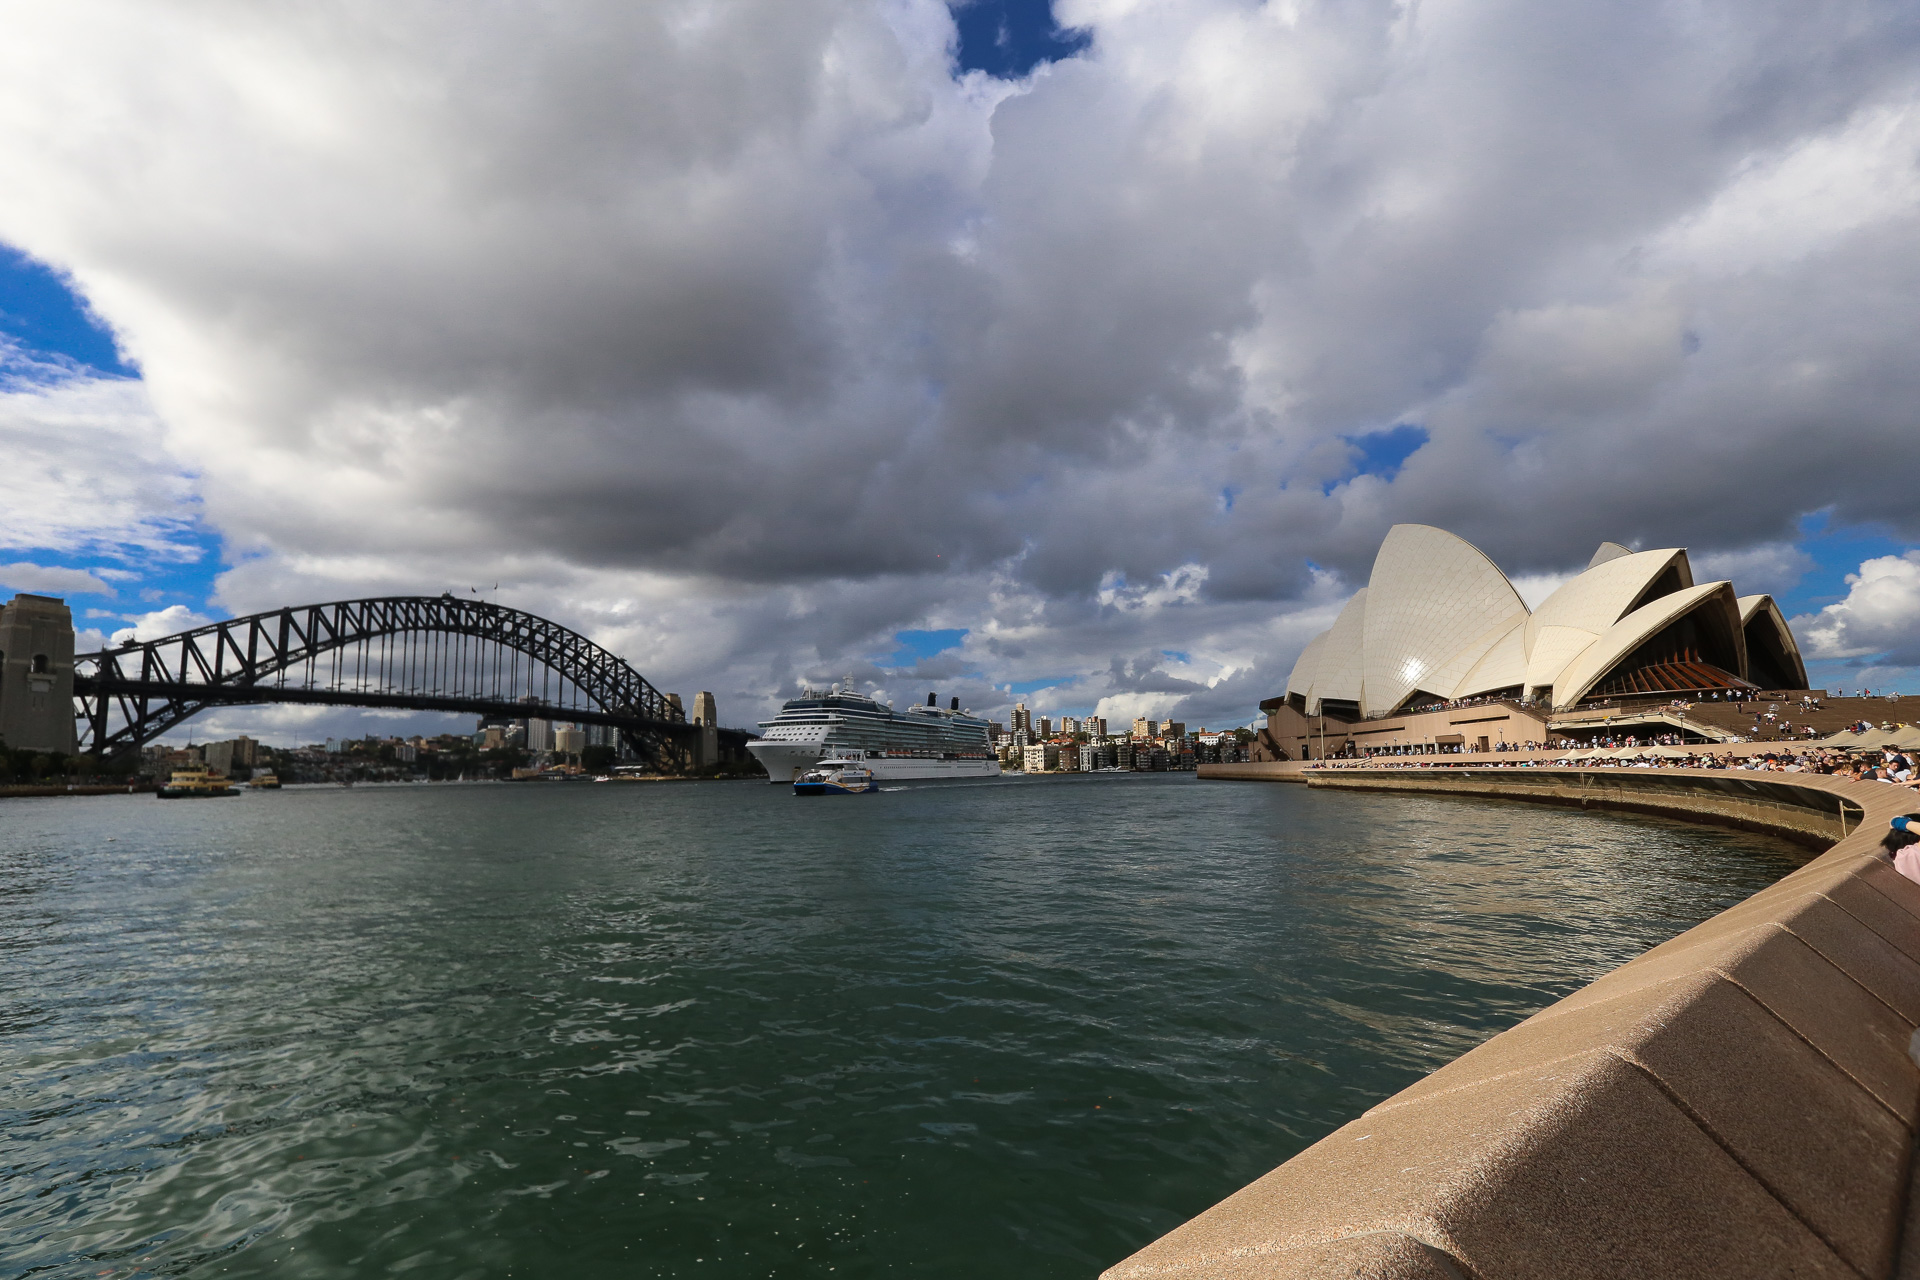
1081, 356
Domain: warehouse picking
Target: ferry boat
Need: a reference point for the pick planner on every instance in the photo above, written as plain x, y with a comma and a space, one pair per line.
265, 782
896, 746
836, 778
195, 782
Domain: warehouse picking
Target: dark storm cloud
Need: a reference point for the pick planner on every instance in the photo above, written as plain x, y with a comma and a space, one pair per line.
751, 332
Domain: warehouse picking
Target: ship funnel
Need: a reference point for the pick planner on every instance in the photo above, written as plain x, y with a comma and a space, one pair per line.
954, 705
930, 700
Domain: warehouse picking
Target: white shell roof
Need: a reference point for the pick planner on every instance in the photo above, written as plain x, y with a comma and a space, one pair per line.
1503, 666
1435, 604
1576, 615
1337, 674
1438, 615
1300, 679
1624, 636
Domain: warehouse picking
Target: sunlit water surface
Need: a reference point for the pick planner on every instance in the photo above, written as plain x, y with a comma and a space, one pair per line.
999, 1029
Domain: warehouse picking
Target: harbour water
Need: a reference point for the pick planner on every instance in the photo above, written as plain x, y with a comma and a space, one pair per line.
1012, 1029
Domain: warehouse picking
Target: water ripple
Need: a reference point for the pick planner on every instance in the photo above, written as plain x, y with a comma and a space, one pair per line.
1010, 1030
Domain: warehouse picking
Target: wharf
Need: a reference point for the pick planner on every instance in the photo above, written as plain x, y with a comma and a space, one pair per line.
1740, 1101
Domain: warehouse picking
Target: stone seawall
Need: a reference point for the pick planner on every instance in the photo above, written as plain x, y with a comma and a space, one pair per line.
1752, 801
1740, 1101
1267, 771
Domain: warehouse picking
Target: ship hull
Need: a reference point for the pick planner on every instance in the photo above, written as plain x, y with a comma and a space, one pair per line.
785, 761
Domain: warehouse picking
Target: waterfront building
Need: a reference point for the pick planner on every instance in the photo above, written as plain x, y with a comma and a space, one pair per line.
569, 740
1123, 753
1022, 718
160, 761
1043, 727
1040, 757
1143, 729
1173, 729
229, 758
539, 735
36, 674
1439, 641
1095, 725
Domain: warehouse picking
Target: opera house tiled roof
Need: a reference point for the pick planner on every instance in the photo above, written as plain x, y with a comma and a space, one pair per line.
1438, 621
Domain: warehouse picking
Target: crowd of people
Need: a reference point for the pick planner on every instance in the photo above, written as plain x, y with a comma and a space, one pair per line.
1889, 765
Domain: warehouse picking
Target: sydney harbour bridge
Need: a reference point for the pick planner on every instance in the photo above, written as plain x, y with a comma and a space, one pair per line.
419, 653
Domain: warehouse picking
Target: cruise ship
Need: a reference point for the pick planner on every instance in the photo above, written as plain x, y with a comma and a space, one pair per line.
918, 743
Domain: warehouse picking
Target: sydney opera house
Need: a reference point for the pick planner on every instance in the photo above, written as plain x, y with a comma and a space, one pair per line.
1438, 625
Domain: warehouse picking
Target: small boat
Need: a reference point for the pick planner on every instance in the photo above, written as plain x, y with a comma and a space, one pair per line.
266, 782
836, 778
195, 783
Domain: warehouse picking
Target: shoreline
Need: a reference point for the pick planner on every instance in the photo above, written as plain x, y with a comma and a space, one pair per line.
1739, 1100
36, 790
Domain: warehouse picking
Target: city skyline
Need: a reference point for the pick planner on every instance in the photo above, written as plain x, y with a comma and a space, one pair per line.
1075, 356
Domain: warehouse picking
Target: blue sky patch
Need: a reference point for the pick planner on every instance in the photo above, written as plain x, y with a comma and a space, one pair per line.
39, 311
1382, 453
917, 646
1009, 38
1836, 553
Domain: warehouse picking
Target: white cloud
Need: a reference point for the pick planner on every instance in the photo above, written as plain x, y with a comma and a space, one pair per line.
85, 467
1534, 588
1880, 616
743, 335
1782, 205
171, 620
1770, 567
51, 580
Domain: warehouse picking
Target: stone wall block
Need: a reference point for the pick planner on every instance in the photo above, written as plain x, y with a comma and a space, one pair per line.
1379, 1256
1864, 1036
1824, 1147
1896, 888
1855, 1029
1858, 949
1816, 913
1581, 1169
1809, 1133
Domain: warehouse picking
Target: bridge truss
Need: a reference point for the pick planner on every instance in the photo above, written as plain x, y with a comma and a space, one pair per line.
425, 653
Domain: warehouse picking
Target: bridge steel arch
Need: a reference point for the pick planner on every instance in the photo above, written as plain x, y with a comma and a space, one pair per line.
427, 653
